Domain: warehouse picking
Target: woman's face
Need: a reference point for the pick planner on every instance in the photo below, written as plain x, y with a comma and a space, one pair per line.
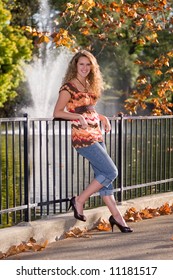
83, 66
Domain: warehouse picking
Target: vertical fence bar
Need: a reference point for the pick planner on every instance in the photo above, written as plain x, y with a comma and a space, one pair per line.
142, 156
156, 157
131, 155
146, 156
60, 163
121, 157
66, 163
161, 156
126, 193
33, 165
115, 150
20, 169
165, 153
7, 169
78, 173
53, 170
136, 156
13, 169
41, 168
27, 213
151, 154
170, 148
47, 167
72, 171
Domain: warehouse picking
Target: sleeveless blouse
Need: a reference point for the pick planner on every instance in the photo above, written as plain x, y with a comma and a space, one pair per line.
83, 103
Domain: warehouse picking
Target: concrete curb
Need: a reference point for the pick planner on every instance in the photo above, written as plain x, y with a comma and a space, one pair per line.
52, 228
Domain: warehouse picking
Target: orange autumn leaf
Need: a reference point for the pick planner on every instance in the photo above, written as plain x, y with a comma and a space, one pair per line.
103, 226
170, 71
142, 79
137, 217
13, 250
139, 62
145, 214
85, 31
27, 28
158, 72
170, 54
76, 233
129, 217
45, 243
132, 215
24, 247
87, 5
132, 209
43, 39
32, 240
39, 247
141, 41
165, 209
115, 7
154, 212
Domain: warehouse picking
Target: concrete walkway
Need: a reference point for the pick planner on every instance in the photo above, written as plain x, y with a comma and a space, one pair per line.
151, 238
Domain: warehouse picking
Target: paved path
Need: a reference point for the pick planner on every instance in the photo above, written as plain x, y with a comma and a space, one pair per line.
151, 240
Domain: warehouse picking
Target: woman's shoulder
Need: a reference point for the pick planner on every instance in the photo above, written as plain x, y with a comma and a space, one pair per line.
69, 86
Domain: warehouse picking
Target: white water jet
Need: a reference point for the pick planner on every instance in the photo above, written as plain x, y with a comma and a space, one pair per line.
44, 81
45, 73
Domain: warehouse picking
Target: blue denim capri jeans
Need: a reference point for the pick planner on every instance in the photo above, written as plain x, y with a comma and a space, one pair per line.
105, 171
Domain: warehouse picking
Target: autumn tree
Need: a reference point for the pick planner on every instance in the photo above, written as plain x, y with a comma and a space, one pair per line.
14, 49
137, 27
130, 40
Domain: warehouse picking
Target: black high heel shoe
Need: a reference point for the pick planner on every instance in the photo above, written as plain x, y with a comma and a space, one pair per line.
121, 228
76, 214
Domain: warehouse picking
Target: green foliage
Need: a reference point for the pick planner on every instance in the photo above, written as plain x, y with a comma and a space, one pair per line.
15, 48
22, 11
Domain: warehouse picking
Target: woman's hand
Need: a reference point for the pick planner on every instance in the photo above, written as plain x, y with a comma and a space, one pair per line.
83, 122
105, 122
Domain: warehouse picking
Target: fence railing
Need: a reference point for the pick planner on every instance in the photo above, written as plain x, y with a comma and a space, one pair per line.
40, 171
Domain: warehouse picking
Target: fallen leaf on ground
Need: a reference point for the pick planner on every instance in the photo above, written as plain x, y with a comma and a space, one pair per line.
165, 209
132, 215
77, 233
24, 247
145, 214
103, 225
154, 212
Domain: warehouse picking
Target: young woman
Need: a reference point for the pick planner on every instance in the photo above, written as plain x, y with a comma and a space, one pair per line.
79, 93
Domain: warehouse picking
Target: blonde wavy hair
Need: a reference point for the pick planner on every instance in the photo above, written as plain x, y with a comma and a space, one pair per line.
94, 78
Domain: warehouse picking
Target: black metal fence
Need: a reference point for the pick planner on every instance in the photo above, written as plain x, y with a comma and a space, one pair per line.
40, 171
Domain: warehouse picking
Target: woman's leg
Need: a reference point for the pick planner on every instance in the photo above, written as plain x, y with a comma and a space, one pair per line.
104, 169
106, 193
110, 202
105, 172
93, 187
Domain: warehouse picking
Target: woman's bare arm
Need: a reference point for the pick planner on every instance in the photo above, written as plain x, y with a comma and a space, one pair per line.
59, 110
105, 122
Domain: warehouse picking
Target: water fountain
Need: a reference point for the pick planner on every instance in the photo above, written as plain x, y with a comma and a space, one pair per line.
44, 74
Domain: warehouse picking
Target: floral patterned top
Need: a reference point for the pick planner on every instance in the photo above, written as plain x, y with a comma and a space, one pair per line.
83, 103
